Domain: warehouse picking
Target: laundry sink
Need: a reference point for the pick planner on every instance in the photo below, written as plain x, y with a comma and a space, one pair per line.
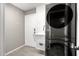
40, 41
39, 33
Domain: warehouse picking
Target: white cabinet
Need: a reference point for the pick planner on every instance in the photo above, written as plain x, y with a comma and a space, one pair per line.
40, 41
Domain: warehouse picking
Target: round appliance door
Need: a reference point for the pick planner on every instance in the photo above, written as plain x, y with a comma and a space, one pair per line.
59, 16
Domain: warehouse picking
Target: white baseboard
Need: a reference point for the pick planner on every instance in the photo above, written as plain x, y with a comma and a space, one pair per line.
14, 50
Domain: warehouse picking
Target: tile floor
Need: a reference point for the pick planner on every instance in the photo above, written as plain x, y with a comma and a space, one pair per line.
27, 51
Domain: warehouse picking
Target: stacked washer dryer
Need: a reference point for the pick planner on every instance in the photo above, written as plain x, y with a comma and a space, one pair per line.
61, 29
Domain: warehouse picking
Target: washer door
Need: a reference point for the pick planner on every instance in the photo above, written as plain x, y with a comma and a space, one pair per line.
59, 16
57, 49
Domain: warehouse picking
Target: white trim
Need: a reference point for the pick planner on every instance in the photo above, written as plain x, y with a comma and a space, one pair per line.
14, 50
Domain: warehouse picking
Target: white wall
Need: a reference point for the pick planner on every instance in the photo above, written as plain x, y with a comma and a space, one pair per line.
37, 21
14, 27
40, 17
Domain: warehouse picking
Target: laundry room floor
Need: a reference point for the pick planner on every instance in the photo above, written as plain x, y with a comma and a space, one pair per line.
27, 51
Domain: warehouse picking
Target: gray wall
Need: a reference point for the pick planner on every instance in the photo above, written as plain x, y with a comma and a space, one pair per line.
1, 29
14, 27
31, 11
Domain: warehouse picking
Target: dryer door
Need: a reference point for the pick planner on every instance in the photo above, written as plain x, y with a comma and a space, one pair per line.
59, 16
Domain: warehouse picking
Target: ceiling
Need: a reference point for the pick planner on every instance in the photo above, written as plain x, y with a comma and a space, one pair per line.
27, 6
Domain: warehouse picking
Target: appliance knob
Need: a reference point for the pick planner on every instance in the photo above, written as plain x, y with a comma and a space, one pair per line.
74, 47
